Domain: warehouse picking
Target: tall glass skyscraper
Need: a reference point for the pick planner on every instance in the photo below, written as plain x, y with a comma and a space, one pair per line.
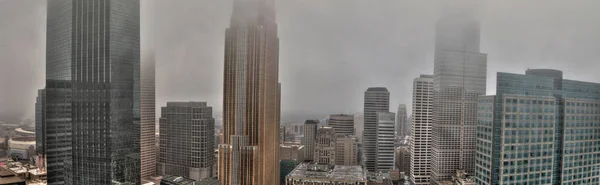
539, 129
420, 144
377, 99
92, 91
251, 96
459, 78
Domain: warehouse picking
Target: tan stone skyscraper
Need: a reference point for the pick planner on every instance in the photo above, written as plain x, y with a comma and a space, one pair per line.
249, 154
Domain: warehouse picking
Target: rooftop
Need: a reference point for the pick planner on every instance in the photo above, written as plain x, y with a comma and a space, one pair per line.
7, 177
339, 173
377, 89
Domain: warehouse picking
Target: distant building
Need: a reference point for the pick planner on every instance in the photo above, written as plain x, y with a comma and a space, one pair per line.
323, 174
325, 144
291, 151
40, 130
347, 150
147, 117
422, 118
359, 126
186, 140
539, 129
343, 124
402, 126
296, 128
178, 180
385, 141
377, 99
310, 133
403, 159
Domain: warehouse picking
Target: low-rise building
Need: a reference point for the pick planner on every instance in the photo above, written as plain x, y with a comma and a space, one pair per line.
7, 177
324, 174
291, 151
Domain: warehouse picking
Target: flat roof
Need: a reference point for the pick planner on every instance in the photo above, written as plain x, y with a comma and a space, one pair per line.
7, 177
339, 173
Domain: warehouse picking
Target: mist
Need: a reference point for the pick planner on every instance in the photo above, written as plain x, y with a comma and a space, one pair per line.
330, 51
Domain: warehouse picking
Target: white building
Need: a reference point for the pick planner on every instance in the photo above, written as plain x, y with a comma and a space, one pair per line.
422, 117
385, 141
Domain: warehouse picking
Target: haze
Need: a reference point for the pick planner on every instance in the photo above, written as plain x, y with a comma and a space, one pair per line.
330, 51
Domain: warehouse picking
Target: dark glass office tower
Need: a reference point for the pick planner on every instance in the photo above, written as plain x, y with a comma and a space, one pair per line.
92, 91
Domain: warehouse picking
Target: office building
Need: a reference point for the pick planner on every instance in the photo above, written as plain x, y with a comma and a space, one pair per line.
309, 139
296, 128
460, 73
359, 126
40, 129
251, 96
325, 144
93, 79
291, 151
148, 118
539, 129
187, 131
402, 126
343, 124
385, 141
403, 159
422, 117
323, 174
377, 99
346, 151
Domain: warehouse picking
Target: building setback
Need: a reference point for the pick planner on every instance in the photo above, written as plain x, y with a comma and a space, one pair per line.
385, 141
346, 150
309, 139
420, 144
402, 125
460, 72
186, 137
343, 124
325, 144
539, 129
93, 92
251, 96
377, 99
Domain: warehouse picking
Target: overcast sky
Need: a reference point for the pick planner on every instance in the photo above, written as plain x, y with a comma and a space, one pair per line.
330, 51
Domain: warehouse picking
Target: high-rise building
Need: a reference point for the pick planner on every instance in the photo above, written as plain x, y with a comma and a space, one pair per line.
422, 117
309, 139
377, 99
343, 124
459, 78
539, 129
251, 96
93, 80
148, 118
40, 137
385, 141
187, 133
402, 126
359, 126
346, 150
403, 159
324, 174
325, 144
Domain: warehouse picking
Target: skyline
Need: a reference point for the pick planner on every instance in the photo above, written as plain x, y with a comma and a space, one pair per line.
314, 36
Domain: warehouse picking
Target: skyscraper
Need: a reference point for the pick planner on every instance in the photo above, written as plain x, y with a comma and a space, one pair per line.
343, 124
420, 144
325, 144
385, 141
402, 126
539, 129
310, 135
251, 96
187, 133
377, 99
40, 137
459, 78
148, 118
92, 92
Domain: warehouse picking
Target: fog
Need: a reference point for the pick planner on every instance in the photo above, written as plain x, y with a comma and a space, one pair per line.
330, 51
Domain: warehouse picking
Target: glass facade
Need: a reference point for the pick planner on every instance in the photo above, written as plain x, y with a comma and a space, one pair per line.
377, 99
539, 129
93, 91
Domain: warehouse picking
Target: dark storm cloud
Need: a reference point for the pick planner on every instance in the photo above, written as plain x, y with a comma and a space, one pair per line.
330, 51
